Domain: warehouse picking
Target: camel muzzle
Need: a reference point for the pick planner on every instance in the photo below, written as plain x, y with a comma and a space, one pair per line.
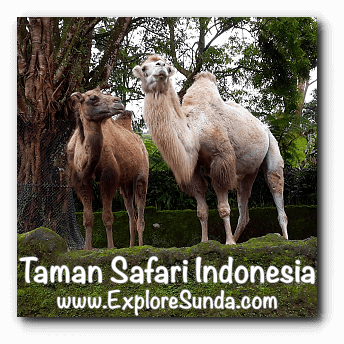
161, 76
118, 107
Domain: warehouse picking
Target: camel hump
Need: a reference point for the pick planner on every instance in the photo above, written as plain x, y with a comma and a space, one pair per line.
206, 75
124, 119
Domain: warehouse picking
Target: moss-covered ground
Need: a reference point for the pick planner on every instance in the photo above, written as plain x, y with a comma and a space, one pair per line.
180, 228
294, 299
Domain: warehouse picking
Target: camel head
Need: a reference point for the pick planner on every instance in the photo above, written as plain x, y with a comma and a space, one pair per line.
154, 74
96, 106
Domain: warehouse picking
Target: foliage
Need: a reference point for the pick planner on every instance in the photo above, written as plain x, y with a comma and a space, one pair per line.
280, 56
310, 131
262, 63
156, 162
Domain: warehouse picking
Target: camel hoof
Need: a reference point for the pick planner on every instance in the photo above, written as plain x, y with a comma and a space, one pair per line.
231, 243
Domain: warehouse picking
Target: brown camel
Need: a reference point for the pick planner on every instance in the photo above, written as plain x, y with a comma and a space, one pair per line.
224, 138
109, 151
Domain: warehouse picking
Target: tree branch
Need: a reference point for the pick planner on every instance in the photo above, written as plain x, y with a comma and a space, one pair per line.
63, 51
173, 54
101, 74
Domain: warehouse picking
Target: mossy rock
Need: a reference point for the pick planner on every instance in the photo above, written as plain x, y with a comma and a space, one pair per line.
42, 241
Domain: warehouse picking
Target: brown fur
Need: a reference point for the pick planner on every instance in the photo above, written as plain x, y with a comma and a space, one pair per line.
107, 150
124, 119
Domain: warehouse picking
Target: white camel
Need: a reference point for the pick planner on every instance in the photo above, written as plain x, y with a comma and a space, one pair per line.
223, 137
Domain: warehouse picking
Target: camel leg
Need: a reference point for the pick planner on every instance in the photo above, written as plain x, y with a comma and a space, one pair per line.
202, 214
128, 196
197, 188
140, 197
244, 193
108, 187
85, 194
224, 212
274, 177
276, 182
107, 218
83, 189
88, 224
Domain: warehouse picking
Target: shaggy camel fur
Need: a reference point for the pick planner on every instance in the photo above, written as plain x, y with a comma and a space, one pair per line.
111, 152
224, 138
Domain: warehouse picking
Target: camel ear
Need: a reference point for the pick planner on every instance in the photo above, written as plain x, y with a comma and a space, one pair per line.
137, 71
77, 97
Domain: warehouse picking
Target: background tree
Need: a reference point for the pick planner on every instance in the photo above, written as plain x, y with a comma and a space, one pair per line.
262, 63
54, 60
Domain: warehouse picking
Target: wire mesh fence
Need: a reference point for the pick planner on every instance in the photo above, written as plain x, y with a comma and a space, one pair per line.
49, 203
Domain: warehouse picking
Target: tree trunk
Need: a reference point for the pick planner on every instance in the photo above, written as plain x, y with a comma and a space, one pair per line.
303, 87
53, 60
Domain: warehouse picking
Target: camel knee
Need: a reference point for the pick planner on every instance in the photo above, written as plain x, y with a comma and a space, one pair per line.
88, 219
202, 212
107, 218
224, 211
140, 224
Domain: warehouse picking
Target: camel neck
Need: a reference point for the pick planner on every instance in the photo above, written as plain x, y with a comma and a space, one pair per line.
93, 143
168, 127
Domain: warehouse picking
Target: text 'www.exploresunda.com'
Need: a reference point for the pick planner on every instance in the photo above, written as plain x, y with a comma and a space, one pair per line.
185, 301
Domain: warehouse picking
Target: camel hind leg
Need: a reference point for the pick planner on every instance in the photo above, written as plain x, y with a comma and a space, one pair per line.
128, 196
140, 191
243, 195
273, 173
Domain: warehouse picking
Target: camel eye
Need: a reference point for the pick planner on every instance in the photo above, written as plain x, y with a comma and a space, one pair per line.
94, 98
169, 69
144, 69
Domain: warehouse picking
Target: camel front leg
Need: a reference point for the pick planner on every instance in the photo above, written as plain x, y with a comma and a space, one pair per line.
88, 223
107, 218
197, 188
224, 212
107, 192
